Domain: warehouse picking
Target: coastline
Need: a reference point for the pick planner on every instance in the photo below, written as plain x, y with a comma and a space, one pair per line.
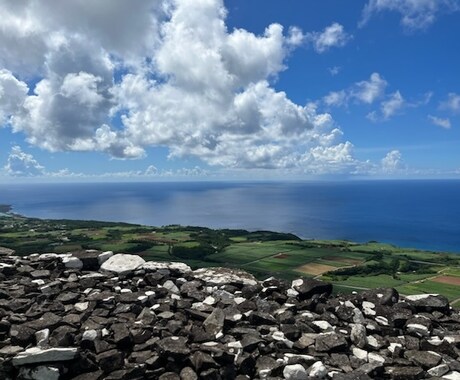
348, 265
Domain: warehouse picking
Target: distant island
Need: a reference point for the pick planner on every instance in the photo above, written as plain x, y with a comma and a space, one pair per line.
349, 266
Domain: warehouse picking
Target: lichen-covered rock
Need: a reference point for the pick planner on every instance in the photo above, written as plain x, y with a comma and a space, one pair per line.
122, 263
222, 276
173, 266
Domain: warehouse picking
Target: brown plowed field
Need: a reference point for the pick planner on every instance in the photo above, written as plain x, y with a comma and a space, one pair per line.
281, 256
315, 268
447, 280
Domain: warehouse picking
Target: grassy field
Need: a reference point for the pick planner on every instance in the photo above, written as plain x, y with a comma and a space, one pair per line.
382, 280
452, 292
348, 265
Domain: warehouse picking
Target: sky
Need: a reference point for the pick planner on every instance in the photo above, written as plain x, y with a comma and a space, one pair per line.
115, 90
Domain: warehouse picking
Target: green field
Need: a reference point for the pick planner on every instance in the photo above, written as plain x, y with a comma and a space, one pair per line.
379, 281
348, 265
452, 292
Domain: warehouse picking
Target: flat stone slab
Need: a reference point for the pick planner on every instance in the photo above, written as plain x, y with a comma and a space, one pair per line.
122, 263
156, 265
221, 276
428, 302
39, 355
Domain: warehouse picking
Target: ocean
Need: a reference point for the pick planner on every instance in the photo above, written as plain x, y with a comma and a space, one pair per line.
418, 214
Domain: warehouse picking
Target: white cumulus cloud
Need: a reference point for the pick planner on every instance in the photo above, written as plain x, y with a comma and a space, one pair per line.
121, 78
389, 107
392, 162
332, 36
22, 164
369, 91
366, 91
13, 93
415, 14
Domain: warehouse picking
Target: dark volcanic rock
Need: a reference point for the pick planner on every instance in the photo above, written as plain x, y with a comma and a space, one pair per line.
110, 360
382, 296
308, 287
330, 343
428, 303
215, 322
405, 373
424, 359
175, 346
163, 321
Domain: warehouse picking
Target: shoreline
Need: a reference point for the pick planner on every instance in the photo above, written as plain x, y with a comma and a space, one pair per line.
6, 210
347, 265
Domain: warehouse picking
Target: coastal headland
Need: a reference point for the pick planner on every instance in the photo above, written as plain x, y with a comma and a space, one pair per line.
349, 266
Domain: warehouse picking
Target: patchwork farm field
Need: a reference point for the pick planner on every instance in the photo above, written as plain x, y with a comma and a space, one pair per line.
348, 265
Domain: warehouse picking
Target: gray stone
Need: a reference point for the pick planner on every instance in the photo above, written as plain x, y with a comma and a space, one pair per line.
188, 373
358, 335
122, 263
424, 359
215, 322
172, 266
382, 296
39, 355
171, 286
428, 302
318, 370
89, 335
439, 370
6, 251
10, 350
307, 287
405, 373
39, 373
295, 372
418, 329
454, 375
330, 342
174, 345
42, 337
221, 276
72, 263
81, 306
111, 360
104, 256
360, 354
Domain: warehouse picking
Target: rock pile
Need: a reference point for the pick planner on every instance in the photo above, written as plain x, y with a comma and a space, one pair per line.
92, 316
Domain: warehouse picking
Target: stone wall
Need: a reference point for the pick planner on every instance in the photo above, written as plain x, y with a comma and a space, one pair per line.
95, 315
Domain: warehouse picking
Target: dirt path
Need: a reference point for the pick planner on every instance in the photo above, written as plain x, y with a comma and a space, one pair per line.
438, 273
265, 257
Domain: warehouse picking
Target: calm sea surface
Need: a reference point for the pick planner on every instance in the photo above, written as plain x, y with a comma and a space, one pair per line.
421, 214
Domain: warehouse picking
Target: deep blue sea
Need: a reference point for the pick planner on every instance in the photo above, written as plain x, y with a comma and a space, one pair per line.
420, 214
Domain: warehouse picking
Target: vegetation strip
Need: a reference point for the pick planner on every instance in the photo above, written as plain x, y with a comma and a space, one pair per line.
348, 265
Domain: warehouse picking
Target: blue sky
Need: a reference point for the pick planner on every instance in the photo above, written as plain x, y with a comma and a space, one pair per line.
205, 89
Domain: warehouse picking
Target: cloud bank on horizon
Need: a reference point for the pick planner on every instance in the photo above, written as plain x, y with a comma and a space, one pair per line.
125, 78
